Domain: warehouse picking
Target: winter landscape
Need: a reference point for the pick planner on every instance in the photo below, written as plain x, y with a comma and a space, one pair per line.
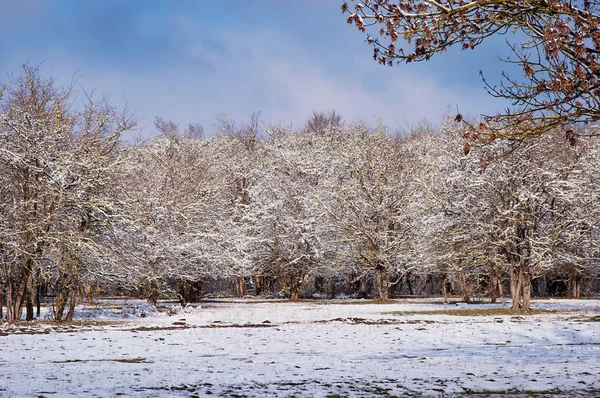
258, 348
357, 232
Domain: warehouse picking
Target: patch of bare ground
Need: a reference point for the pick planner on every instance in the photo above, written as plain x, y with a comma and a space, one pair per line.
433, 300
476, 312
47, 327
232, 300
350, 388
156, 328
595, 318
350, 301
386, 321
216, 325
121, 360
516, 393
219, 324
304, 388
353, 302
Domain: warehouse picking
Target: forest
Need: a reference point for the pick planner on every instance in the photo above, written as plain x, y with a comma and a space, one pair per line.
329, 209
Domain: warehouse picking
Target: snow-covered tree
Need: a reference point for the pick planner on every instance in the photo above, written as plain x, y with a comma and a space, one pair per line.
512, 208
55, 159
175, 194
369, 199
290, 232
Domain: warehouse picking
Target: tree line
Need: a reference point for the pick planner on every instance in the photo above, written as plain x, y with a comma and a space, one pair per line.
79, 208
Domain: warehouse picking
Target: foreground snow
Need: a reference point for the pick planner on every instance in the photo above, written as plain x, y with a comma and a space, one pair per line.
257, 348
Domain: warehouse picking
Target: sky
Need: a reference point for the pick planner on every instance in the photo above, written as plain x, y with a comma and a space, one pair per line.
188, 61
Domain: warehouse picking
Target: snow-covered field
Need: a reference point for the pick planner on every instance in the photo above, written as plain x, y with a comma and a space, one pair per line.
276, 348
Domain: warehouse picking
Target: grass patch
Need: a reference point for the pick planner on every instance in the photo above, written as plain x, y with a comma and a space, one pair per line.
209, 326
122, 360
530, 393
237, 325
156, 328
79, 323
334, 301
595, 318
245, 300
47, 327
352, 302
74, 323
475, 312
131, 360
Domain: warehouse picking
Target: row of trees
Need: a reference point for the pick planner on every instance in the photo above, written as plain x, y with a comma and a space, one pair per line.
78, 209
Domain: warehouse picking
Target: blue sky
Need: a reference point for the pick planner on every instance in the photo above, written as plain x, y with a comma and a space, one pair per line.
187, 61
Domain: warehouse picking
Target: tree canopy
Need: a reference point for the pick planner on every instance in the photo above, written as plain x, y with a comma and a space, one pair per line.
293, 213
558, 53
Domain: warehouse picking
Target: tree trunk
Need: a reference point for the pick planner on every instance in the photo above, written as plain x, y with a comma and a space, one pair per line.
520, 287
410, 289
353, 284
30, 298
38, 299
500, 292
466, 287
82, 294
74, 288
294, 285
21, 290
446, 288
292, 288
154, 293
526, 304
66, 287
72, 303
29, 308
576, 282
258, 285
181, 290
60, 302
9, 301
494, 293
1, 299
429, 284
319, 282
61, 293
189, 292
87, 289
383, 283
331, 288
364, 290
398, 287
239, 287
18, 302
516, 282
294, 294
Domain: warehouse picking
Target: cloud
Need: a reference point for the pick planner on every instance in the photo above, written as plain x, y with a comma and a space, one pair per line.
238, 71
269, 70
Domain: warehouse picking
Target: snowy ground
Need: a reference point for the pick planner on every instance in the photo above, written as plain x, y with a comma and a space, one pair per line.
256, 348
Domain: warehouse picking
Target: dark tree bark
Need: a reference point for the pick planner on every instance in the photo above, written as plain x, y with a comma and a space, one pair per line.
576, 284
258, 284
383, 283
240, 290
466, 286
331, 287
189, 291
